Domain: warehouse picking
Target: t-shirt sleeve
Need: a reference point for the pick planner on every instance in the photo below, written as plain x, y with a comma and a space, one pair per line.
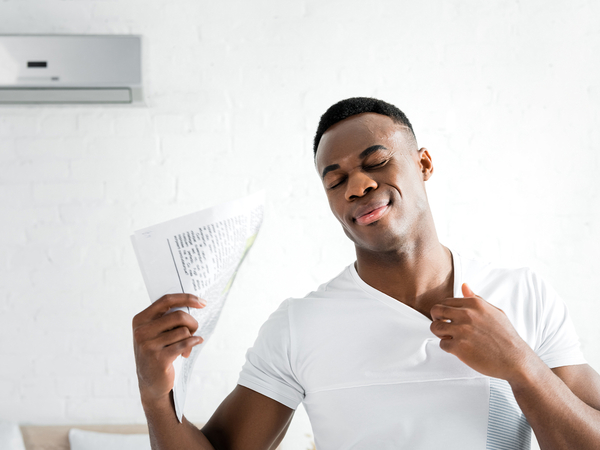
558, 343
268, 367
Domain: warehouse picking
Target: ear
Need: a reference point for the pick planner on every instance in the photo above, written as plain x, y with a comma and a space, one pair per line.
425, 163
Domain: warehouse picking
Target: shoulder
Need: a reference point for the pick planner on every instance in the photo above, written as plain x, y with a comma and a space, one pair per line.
341, 284
521, 292
327, 293
533, 306
342, 287
492, 277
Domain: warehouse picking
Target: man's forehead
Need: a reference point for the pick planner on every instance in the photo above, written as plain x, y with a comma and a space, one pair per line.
356, 133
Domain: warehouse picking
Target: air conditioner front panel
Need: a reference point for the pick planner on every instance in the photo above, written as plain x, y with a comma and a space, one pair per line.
111, 64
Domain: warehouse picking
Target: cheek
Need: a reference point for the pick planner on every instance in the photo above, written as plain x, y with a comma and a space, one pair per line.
334, 207
409, 187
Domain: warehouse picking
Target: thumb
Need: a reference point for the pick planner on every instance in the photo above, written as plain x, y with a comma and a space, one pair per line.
467, 292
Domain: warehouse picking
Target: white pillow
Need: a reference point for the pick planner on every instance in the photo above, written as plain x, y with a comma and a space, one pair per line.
92, 440
10, 436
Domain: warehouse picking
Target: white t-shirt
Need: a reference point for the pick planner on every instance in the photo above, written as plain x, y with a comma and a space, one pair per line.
372, 375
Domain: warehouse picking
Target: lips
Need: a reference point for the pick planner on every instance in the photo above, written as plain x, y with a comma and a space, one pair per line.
371, 212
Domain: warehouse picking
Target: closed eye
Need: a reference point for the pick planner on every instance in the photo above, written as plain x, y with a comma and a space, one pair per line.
374, 166
337, 183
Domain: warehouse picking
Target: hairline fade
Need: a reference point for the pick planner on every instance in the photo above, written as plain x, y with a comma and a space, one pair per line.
354, 106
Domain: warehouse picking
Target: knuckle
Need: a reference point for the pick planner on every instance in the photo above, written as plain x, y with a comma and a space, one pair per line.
139, 318
190, 322
145, 348
137, 335
465, 331
185, 344
438, 326
182, 333
174, 349
172, 318
180, 315
161, 300
468, 315
173, 299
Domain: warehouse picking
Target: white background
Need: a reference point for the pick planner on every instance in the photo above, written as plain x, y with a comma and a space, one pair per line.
504, 94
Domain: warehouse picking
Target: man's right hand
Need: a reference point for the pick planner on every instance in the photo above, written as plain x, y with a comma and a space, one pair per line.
245, 420
159, 338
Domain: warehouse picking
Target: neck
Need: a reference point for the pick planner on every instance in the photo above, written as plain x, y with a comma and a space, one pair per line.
419, 275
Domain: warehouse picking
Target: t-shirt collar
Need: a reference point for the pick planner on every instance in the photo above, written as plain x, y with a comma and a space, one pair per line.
399, 306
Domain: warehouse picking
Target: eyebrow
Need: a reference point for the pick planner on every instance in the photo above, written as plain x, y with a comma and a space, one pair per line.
371, 149
366, 152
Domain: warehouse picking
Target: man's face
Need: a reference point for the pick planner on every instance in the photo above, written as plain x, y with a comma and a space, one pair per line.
374, 177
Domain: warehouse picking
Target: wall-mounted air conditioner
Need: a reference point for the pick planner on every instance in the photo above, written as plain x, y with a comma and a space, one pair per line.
70, 69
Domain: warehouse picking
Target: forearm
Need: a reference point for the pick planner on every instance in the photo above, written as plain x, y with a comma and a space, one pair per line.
166, 433
560, 420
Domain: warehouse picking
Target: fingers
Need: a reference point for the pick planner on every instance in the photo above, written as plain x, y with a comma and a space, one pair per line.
447, 320
171, 337
161, 355
445, 312
466, 290
164, 304
171, 343
183, 348
470, 300
187, 353
475, 303
163, 325
174, 343
177, 319
457, 302
447, 344
159, 338
442, 329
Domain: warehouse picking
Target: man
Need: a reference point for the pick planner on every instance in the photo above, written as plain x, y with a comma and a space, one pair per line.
398, 351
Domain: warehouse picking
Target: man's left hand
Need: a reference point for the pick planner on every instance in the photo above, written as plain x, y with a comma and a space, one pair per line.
480, 335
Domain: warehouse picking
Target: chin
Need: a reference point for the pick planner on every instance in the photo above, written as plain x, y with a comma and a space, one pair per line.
381, 241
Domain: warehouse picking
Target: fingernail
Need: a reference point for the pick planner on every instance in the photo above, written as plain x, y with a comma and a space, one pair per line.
201, 301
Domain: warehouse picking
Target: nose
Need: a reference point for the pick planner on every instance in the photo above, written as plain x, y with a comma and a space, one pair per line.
359, 184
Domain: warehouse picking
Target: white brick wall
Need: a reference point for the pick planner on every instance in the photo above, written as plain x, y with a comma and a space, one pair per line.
504, 94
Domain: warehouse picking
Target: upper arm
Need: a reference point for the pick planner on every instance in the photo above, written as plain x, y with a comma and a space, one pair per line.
583, 381
247, 420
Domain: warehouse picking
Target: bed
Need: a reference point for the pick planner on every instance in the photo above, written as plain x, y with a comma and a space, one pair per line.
56, 437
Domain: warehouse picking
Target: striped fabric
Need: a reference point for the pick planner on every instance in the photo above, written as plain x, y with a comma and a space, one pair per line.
507, 426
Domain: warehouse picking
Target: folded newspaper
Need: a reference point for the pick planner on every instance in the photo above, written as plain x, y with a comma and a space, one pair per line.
198, 254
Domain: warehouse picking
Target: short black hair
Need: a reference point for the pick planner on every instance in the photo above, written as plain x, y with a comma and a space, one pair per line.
358, 105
